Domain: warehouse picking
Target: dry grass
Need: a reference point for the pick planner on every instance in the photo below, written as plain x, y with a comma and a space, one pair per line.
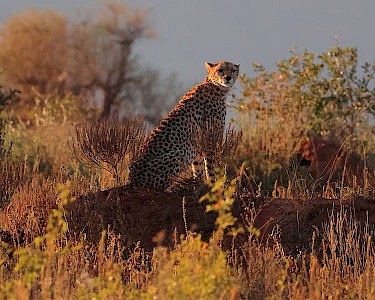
29, 208
12, 175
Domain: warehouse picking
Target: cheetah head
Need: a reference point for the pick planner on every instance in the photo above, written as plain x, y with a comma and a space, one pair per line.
222, 74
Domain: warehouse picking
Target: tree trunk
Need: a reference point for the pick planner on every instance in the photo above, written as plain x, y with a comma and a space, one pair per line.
109, 100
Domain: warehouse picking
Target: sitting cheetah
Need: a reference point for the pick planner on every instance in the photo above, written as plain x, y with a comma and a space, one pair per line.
170, 147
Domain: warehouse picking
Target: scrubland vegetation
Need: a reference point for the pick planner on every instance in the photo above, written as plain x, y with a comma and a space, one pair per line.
290, 217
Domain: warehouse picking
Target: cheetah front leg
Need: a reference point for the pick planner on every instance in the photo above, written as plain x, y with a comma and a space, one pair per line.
202, 166
197, 167
209, 168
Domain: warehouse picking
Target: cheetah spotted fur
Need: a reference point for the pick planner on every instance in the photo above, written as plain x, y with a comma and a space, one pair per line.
170, 147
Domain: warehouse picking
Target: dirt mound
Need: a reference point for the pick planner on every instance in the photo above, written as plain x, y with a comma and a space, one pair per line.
294, 221
149, 216
153, 217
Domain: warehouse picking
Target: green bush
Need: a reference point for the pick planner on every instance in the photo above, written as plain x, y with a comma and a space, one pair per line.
308, 94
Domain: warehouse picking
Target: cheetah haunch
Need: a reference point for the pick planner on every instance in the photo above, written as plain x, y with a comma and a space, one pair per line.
171, 147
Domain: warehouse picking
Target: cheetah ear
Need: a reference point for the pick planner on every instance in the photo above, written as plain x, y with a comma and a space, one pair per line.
208, 66
238, 66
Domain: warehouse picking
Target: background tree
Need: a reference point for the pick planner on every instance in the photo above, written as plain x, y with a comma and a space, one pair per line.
112, 67
33, 52
94, 57
153, 95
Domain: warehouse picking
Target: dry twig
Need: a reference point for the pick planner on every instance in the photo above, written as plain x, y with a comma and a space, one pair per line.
109, 145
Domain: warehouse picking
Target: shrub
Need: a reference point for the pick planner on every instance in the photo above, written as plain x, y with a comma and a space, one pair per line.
322, 94
109, 145
40, 143
193, 270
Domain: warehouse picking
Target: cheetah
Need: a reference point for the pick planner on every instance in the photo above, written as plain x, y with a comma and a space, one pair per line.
170, 147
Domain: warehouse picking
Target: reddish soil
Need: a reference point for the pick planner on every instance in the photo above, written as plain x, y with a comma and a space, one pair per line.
153, 217
137, 216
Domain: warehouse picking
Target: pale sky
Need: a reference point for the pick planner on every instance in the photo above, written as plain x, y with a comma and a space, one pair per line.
241, 31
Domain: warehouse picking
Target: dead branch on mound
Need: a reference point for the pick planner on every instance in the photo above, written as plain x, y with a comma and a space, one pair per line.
109, 145
210, 139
